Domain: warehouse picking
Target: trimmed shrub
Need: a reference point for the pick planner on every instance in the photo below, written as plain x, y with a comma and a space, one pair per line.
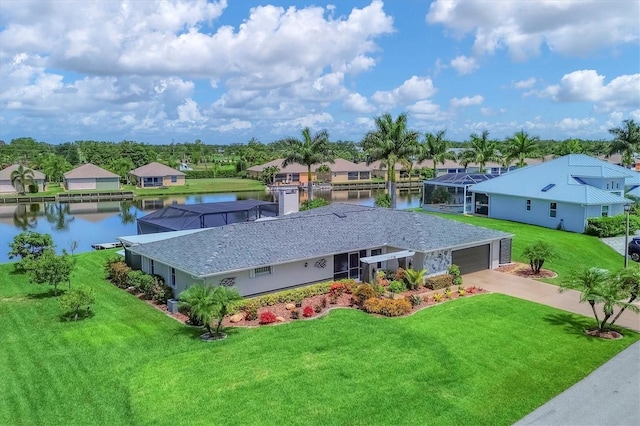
142, 282
118, 273
267, 317
603, 227
251, 311
362, 293
454, 271
397, 286
439, 281
387, 307
161, 293
307, 311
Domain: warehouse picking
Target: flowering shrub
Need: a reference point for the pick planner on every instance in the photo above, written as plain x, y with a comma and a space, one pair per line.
388, 307
307, 311
267, 317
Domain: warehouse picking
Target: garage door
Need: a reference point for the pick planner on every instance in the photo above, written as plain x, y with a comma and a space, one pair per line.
471, 259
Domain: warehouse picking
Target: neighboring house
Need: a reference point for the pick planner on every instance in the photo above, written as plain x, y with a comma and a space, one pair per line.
154, 175
333, 242
184, 167
5, 179
342, 171
560, 193
91, 177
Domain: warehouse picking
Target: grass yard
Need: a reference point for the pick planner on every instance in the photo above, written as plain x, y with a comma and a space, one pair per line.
575, 251
202, 186
487, 359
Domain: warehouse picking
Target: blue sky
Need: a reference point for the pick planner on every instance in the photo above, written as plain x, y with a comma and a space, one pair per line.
228, 71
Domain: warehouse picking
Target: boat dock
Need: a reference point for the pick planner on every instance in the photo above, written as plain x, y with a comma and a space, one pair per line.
105, 246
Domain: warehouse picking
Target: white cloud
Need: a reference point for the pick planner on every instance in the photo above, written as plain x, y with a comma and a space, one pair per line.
357, 103
464, 65
589, 86
313, 121
416, 88
575, 123
525, 84
234, 125
466, 101
568, 27
189, 112
488, 111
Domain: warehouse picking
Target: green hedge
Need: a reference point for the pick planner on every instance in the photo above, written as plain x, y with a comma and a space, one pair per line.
603, 227
209, 174
439, 281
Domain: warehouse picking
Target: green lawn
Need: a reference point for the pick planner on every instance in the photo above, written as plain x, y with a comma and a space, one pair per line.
203, 186
575, 251
487, 359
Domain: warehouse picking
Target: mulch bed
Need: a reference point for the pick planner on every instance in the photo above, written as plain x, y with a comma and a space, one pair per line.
606, 334
524, 270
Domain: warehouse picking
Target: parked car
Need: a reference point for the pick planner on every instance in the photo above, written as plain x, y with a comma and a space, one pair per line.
633, 249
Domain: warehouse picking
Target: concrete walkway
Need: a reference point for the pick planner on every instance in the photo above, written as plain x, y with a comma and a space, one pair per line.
608, 396
543, 293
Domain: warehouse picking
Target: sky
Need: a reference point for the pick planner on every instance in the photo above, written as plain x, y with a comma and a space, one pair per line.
227, 71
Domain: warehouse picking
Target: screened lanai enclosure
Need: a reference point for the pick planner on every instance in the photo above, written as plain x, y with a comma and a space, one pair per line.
450, 192
205, 215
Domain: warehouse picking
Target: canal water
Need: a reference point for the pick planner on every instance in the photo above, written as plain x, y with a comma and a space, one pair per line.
79, 225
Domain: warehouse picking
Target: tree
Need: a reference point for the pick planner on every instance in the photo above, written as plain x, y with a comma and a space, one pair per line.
313, 204
390, 142
599, 286
78, 301
269, 174
521, 146
308, 152
626, 141
207, 303
435, 148
29, 245
49, 268
22, 178
121, 166
441, 195
383, 200
481, 150
55, 166
323, 173
537, 253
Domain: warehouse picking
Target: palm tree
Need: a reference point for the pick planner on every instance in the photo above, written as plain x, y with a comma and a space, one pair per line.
22, 178
269, 174
206, 303
435, 148
480, 150
521, 146
308, 152
54, 166
626, 140
390, 142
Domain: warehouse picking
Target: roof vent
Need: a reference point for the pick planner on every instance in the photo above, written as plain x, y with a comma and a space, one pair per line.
548, 187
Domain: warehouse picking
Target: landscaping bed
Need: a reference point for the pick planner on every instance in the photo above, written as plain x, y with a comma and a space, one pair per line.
524, 270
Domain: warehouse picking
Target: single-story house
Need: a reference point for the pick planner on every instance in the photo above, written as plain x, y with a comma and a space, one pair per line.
561, 193
342, 171
457, 185
333, 242
6, 187
91, 177
154, 175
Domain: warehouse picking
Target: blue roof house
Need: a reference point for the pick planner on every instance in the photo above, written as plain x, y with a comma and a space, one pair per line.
561, 193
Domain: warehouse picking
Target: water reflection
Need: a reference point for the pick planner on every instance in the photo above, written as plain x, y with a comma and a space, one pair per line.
25, 216
59, 214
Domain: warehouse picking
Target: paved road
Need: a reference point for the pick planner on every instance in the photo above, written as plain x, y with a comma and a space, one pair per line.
608, 396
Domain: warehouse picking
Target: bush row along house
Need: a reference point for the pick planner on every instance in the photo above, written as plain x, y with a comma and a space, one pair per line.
328, 243
89, 177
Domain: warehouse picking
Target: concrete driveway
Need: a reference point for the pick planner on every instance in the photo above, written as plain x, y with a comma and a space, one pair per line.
608, 396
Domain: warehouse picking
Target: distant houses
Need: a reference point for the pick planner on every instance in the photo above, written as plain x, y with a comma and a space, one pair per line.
155, 175
340, 171
6, 186
90, 177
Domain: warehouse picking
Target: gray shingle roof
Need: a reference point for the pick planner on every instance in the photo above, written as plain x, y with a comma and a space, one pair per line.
154, 170
89, 171
5, 174
336, 228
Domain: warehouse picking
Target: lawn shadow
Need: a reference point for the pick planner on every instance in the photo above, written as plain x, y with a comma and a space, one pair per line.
572, 323
46, 294
70, 316
195, 332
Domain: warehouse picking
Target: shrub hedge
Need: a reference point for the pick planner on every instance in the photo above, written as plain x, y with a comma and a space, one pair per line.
439, 281
603, 227
387, 307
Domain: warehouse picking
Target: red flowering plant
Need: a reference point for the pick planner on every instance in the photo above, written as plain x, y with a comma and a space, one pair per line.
307, 311
267, 317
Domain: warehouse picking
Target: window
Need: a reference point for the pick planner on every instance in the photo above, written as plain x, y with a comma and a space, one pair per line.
295, 177
528, 205
263, 270
174, 179
352, 176
365, 175
152, 268
376, 252
173, 278
605, 211
553, 207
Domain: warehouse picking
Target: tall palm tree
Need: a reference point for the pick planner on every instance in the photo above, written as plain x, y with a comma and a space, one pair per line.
626, 141
521, 146
390, 142
22, 178
481, 150
435, 148
309, 151
55, 166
